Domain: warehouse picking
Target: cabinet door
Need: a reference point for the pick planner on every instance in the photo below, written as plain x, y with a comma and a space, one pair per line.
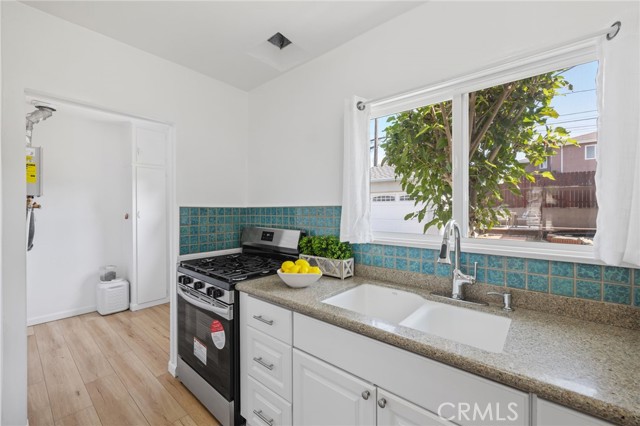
151, 146
550, 414
325, 395
395, 411
151, 232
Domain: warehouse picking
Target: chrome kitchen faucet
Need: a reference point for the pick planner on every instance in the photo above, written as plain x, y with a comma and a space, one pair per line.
459, 279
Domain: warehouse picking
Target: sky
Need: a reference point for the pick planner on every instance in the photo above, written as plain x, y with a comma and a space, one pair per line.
577, 108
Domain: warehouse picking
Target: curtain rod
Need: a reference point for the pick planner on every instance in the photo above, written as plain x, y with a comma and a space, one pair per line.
610, 33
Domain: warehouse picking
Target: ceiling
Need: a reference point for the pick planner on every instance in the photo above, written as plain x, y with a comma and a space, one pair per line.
226, 40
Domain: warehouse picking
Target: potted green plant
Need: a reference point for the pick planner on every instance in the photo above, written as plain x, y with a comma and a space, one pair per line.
334, 258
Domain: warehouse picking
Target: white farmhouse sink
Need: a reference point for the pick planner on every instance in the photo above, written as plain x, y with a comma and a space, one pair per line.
473, 328
378, 302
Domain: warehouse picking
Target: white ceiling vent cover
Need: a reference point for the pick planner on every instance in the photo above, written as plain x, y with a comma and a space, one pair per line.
279, 52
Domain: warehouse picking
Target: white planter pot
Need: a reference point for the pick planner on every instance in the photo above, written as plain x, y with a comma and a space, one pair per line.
332, 267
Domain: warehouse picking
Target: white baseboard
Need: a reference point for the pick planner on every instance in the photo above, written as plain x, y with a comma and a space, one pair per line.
172, 368
60, 315
138, 306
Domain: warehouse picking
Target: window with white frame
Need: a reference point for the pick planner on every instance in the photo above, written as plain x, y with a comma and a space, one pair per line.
590, 152
387, 144
510, 129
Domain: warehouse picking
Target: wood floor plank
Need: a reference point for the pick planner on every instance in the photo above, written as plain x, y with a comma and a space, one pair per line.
34, 366
185, 421
162, 315
155, 402
139, 341
38, 408
156, 332
89, 316
86, 417
197, 412
114, 405
107, 339
30, 331
65, 387
89, 359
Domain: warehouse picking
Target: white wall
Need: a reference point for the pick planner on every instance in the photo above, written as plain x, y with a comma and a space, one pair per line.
80, 227
295, 121
43, 53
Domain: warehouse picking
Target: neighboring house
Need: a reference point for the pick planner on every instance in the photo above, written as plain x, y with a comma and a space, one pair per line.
573, 158
389, 204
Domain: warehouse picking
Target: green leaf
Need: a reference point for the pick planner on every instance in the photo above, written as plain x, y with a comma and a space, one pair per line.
548, 175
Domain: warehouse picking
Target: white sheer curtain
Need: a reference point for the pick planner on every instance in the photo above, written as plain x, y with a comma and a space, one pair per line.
617, 240
355, 223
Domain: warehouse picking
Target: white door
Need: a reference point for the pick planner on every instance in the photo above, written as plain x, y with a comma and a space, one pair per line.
151, 234
325, 395
395, 411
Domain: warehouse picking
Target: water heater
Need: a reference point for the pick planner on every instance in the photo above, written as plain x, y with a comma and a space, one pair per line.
34, 171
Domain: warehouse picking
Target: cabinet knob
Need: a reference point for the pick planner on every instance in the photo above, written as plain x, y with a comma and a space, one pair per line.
382, 403
365, 394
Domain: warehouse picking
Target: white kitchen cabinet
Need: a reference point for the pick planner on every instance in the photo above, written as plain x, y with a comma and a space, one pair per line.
149, 268
150, 146
395, 411
266, 362
432, 385
550, 414
263, 407
325, 395
151, 234
269, 361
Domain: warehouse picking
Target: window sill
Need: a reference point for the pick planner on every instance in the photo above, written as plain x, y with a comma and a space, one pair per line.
542, 250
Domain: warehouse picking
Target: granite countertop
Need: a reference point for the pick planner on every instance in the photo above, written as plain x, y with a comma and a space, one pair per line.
587, 366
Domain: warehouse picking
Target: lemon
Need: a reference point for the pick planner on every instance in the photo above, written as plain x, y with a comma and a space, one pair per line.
314, 270
287, 265
302, 262
295, 269
304, 269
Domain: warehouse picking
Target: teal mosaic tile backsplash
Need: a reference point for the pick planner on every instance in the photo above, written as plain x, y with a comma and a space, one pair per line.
205, 229
209, 229
594, 282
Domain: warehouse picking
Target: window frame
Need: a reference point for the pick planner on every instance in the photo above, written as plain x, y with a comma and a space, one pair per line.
457, 90
595, 151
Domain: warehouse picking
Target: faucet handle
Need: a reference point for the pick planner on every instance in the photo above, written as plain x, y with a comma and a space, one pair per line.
475, 272
506, 299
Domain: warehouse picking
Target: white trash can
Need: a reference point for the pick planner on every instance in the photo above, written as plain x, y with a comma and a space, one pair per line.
112, 296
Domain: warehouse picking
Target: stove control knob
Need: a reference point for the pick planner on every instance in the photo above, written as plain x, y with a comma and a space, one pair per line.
184, 279
217, 293
198, 285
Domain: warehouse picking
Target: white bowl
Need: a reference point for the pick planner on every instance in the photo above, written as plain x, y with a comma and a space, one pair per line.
299, 280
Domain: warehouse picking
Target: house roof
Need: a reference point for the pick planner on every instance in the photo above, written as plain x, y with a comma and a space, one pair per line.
383, 173
587, 138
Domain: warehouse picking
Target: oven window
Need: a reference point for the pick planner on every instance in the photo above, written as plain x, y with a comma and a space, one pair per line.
205, 343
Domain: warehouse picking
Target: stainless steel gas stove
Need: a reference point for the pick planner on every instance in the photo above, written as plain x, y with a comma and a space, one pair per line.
208, 334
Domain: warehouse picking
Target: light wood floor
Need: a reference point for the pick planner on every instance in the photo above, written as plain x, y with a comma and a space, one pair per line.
112, 370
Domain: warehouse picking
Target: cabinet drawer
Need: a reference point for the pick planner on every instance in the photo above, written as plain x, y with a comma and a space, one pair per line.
270, 319
269, 361
265, 408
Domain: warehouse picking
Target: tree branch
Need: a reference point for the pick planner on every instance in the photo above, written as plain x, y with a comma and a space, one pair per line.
445, 119
494, 112
472, 112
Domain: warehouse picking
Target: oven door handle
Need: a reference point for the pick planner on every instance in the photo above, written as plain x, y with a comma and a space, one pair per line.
226, 313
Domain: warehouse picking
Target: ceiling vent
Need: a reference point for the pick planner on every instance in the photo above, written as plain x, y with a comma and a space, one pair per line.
279, 41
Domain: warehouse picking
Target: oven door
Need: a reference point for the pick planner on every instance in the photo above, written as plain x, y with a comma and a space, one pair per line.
205, 341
